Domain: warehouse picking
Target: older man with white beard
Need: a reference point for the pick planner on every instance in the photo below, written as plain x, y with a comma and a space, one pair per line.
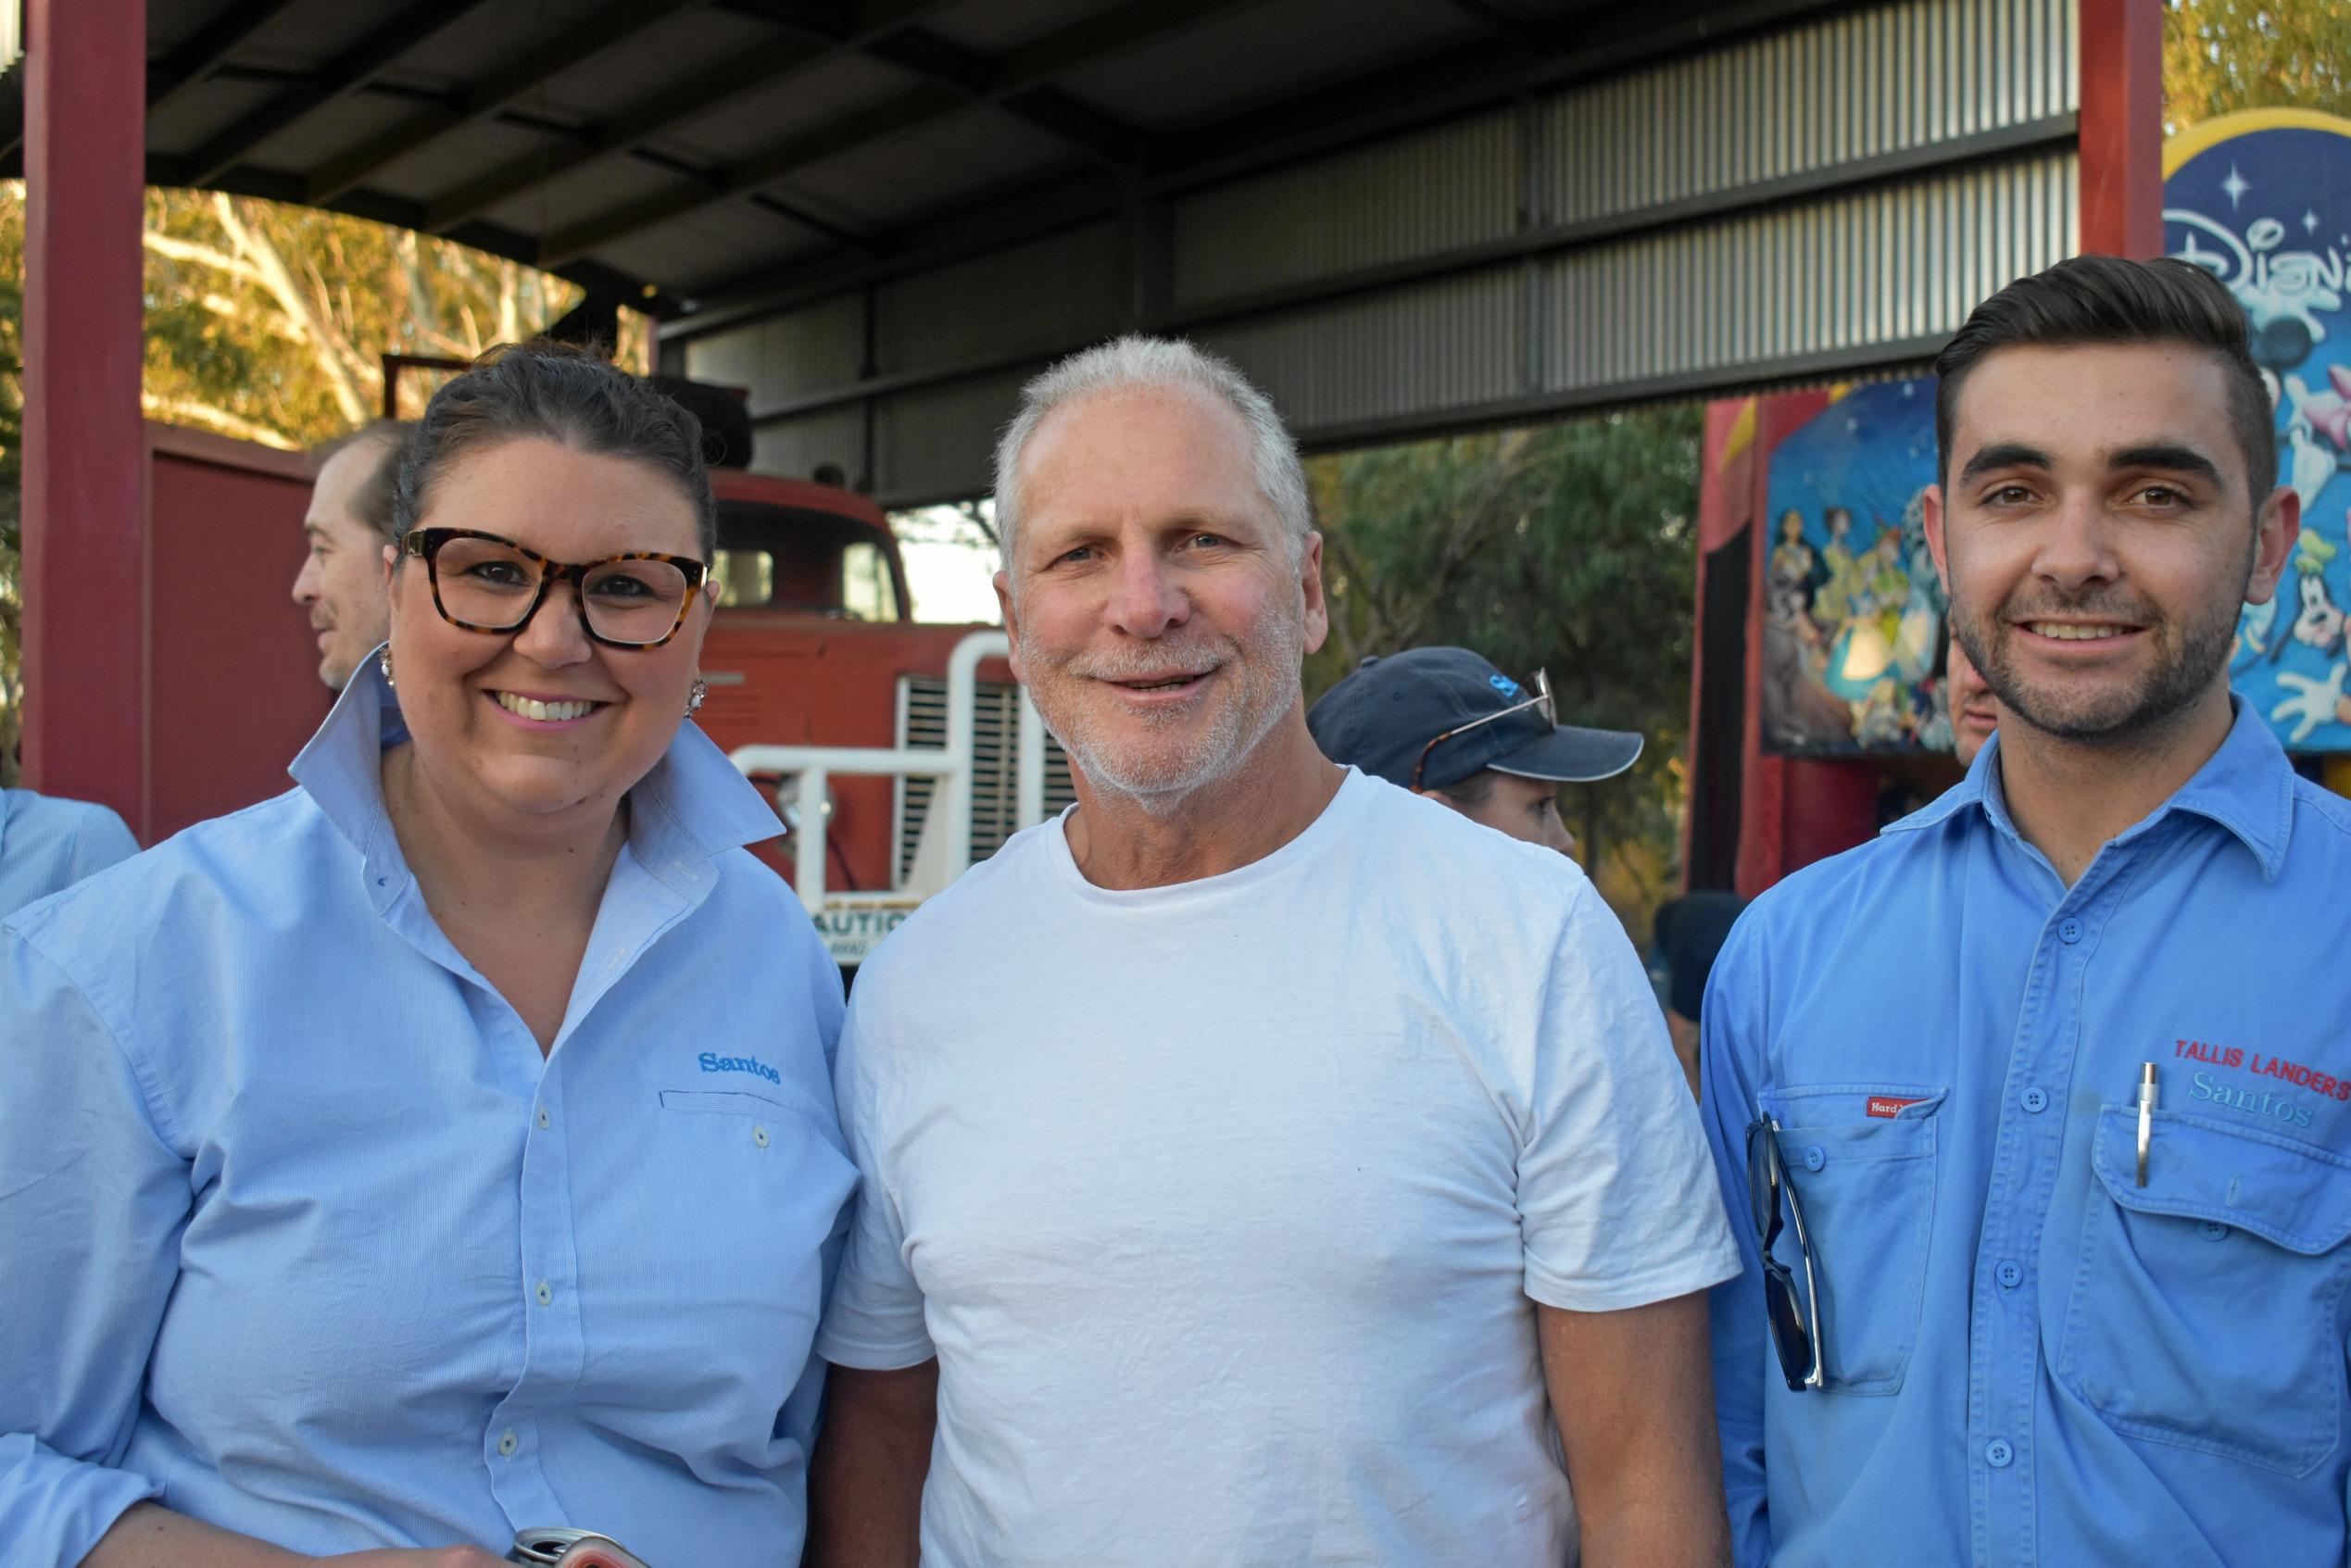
1261, 1162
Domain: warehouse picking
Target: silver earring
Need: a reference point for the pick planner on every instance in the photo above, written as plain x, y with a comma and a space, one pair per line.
384, 662
694, 697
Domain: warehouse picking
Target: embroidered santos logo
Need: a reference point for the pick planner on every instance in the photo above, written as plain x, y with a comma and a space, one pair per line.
712, 1062
2252, 1102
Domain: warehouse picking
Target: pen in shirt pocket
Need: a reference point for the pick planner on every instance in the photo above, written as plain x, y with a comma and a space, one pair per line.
2146, 1115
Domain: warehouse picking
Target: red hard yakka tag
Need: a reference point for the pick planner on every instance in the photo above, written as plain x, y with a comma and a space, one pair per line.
1887, 1107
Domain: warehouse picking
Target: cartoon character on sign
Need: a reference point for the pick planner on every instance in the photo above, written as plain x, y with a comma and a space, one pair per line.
2318, 623
1851, 663
2313, 702
2263, 202
1793, 564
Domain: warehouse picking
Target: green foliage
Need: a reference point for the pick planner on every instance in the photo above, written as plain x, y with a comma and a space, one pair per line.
2223, 56
1566, 547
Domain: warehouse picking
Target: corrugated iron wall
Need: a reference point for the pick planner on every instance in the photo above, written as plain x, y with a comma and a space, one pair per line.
1831, 198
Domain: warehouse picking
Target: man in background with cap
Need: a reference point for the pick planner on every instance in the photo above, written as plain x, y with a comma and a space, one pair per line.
1445, 722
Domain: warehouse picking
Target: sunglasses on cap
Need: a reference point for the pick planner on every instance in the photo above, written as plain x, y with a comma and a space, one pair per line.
1541, 700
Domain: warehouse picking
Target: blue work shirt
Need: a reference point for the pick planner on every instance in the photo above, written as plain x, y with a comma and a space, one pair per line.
302, 1235
47, 844
2030, 1359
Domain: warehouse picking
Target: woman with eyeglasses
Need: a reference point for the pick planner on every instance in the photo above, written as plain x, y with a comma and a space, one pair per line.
445, 1147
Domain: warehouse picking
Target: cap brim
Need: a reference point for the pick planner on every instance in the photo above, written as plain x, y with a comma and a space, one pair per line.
1569, 755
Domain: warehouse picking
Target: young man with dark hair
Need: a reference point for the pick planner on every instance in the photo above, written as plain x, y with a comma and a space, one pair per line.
349, 524
2035, 1113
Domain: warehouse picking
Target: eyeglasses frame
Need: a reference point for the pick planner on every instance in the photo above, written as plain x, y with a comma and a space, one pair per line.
425, 544
1541, 700
1763, 1133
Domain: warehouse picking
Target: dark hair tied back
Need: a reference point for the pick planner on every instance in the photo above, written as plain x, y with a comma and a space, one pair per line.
543, 391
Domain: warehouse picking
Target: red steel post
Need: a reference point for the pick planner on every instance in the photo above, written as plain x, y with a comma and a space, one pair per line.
85, 583
2121, 127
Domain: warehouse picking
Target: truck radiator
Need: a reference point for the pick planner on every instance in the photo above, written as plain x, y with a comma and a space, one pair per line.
922, 721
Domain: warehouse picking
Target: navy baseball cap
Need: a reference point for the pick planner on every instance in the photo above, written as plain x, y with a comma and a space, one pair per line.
1383, 716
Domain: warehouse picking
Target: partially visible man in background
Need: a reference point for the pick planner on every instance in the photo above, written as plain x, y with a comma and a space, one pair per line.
1445, 722
1688, 936
350, 522
1974, 711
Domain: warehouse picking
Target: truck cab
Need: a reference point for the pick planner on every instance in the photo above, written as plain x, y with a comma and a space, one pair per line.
815, 646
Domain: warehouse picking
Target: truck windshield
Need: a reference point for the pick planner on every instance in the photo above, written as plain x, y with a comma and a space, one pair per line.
774, 557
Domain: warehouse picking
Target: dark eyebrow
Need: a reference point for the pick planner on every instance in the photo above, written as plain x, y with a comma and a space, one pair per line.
2005, 455
2168, 456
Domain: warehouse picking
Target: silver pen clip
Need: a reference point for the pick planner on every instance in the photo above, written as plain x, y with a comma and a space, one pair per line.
2146, 1115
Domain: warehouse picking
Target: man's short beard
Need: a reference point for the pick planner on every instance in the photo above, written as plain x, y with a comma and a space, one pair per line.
2198, 651
1269, 671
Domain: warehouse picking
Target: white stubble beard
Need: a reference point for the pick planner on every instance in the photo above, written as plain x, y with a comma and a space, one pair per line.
1269, 674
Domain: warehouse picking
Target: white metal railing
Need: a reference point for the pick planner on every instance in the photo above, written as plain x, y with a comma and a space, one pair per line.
944, 851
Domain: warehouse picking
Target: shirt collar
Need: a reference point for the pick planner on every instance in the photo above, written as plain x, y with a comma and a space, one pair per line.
2247, 787
694, 805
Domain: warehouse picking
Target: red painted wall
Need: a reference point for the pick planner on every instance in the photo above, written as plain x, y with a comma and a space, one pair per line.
231, 667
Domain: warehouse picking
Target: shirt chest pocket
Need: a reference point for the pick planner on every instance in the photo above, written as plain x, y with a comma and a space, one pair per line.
765, 1171
2207, 1305
1861, 1158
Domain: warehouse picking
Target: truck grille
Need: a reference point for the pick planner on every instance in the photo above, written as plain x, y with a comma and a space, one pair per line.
922, 721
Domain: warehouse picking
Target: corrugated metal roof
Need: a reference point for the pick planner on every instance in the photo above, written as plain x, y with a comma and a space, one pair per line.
722, 137
879, 216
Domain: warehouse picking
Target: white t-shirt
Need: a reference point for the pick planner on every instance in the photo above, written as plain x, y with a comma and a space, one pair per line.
1221, 1203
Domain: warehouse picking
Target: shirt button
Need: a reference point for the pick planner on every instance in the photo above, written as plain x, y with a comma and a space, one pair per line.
545, 1293
508, 1443
2069, 930
1998, 1454
1815, 1158
759, 1137
2213, 1230
2036, 1101
543, 1117
2011, 1276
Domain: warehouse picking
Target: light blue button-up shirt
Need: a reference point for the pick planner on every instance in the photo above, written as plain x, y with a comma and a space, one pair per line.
2031, 1358
301, 1235
46, 844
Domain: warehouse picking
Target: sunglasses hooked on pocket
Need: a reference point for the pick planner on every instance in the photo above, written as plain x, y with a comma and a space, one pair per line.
1795, 1320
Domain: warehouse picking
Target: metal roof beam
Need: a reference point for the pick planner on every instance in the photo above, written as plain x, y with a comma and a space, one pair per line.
348, 71
611, 26
1056, 113
650, 117
208, 48
197, 58
1248, 143
1021, 71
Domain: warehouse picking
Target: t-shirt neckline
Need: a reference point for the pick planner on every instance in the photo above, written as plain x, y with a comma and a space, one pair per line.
1345, 805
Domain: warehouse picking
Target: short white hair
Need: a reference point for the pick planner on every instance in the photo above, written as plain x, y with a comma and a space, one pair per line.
1137, 363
